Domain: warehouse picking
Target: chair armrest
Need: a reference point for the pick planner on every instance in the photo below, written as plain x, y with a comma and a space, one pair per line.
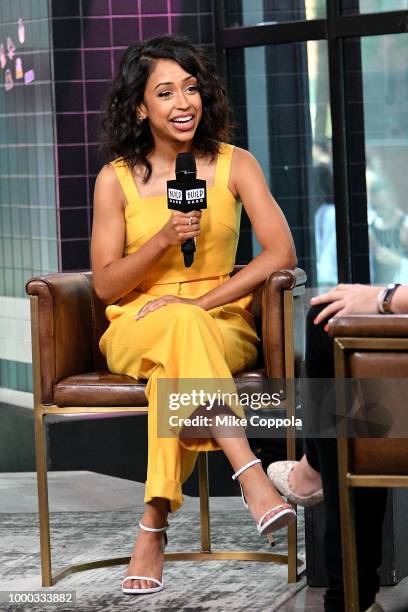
282, 337
365, 326
375, 347
66, 327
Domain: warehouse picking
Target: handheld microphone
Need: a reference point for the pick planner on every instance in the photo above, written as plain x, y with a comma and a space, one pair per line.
185, 194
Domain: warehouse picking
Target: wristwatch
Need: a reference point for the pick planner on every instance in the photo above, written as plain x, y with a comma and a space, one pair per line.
384, 298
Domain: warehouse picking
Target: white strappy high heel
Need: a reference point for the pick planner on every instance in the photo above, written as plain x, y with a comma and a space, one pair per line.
279, 520
160, 584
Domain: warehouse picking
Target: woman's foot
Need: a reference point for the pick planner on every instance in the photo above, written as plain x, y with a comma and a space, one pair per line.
297, 481
303, 479
262, 496
148, 554
375, 608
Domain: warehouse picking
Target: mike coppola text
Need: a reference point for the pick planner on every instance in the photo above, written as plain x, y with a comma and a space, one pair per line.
210, 401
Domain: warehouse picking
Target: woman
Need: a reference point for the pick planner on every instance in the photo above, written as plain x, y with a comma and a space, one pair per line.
166, 320
306, 481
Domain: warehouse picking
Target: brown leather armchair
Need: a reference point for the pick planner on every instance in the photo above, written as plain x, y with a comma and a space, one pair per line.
70, 376
368, 347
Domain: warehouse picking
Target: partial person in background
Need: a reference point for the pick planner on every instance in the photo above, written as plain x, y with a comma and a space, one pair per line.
324, 217
388, 232
315, 476
387, 223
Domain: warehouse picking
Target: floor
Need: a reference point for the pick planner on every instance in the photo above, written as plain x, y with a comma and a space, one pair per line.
85, 492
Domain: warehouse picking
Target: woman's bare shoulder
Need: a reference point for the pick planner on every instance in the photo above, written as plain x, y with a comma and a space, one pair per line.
242, 158
107, 175
108, 185
244, 167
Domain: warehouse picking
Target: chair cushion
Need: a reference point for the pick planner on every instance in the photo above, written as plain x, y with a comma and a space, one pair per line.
100, 389
106, 389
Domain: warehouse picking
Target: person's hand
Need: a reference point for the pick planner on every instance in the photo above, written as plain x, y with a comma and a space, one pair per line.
347, 299
180, 227
163, 301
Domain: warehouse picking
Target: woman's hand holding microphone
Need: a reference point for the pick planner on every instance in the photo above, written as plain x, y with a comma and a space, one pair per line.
179, 228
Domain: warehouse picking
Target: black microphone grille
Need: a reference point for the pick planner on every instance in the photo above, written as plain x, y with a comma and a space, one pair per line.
185, 163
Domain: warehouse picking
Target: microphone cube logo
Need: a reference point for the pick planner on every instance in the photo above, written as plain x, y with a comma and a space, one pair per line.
195, 194
175, 195
186, 197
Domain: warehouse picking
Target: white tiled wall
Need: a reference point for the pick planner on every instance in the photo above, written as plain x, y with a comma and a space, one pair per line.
15, 330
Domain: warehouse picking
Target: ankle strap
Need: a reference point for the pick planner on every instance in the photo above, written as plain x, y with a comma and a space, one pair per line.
152, 528
248, 465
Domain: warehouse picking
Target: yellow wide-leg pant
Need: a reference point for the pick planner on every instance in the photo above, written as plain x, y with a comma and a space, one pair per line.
177, 341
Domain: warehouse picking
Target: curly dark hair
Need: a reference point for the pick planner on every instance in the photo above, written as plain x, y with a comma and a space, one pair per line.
123, 135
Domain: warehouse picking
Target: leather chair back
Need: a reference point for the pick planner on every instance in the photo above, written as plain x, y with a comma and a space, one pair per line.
72, 319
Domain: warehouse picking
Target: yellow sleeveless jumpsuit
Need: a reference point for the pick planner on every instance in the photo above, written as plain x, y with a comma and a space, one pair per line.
180, 340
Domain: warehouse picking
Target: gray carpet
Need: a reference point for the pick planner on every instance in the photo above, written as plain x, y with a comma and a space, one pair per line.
84, 536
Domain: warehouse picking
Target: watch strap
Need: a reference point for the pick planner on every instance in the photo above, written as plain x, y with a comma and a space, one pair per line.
384, 298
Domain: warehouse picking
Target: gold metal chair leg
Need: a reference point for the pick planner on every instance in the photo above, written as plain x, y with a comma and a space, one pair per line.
204, 555
291, 455
204, 502
43, 510
292, 553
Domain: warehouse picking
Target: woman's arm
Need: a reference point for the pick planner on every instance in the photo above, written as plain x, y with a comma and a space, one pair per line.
399, 302
114, 274
247, 181
357, 299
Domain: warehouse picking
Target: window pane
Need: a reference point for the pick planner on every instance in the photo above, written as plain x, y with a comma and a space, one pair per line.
280, 95
373, 6
257, 12
379, 149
